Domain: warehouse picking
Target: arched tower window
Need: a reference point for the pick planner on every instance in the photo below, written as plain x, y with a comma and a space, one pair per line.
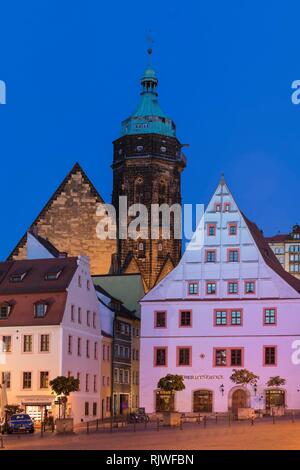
162, 192
138, 190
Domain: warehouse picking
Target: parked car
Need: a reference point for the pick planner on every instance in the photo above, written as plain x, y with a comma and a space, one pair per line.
20, 423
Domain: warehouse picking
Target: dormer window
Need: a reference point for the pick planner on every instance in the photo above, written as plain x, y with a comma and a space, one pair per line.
53, 274
40, 309
4, 311
226, 206
18, 276
218, 207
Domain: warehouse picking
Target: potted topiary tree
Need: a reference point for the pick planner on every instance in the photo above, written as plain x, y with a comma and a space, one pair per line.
170, 384
277, 404
62, 387
244, 377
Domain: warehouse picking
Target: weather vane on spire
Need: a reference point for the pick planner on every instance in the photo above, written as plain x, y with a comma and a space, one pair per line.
150, 41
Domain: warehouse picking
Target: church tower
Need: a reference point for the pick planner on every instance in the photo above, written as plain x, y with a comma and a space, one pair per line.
147, 166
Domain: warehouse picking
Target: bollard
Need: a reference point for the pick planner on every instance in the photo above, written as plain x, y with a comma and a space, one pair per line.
204, 421
97, 424
181, 424
199, 418
157, 427
216, 418
252, 421
293, 416
1, 443
273, 416
88, 428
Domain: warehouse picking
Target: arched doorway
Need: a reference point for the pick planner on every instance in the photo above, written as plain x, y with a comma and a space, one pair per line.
239, 400
202, 401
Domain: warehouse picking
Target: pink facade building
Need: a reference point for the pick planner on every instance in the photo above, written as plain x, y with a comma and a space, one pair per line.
229, 304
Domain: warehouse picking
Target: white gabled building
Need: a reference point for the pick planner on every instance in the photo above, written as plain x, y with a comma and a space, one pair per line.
50, 326
228, 304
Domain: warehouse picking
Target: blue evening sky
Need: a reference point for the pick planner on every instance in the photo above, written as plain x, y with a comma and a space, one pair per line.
225, 69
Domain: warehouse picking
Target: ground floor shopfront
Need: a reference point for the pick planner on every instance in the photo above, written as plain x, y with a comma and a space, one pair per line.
203, 400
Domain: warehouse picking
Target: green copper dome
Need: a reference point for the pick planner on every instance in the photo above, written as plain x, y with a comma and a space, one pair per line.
149, 117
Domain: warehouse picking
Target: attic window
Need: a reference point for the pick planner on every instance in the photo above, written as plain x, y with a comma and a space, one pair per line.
18, 276
40, 309
4, 311
53, 274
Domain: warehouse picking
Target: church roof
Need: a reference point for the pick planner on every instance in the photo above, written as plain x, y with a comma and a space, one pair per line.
75, 169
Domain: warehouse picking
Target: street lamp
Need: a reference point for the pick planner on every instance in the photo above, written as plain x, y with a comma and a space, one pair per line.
222, 389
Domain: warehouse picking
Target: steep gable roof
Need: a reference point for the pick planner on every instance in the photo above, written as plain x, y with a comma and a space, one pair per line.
76, 168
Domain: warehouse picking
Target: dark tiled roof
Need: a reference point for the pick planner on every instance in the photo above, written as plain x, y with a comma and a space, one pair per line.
281, 237
34, 281
269, 256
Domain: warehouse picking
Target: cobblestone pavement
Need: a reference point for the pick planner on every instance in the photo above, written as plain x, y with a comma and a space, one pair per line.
240, 435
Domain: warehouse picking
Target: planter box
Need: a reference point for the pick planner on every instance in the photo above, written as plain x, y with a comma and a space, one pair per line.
246, 413
64, 425
171, 418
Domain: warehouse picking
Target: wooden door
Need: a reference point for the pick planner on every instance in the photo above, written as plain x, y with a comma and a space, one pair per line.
239, 400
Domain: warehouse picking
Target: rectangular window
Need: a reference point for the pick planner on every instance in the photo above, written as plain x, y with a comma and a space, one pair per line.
193, 288
121, 376
235, 317
45, 343
185, 318
88, 285
94, 319
210, 256
86, 408
95, 350
94, 409
226, 206
127, 376
72, 313
232, 229
184, 356
116, 375
79, 281
107, 404
87, 348
70, 344
26, 380
27, 343
270, 316
211, 230
236, 357
160, 357
44, 379
78, 346
6, 344
233, 287
160, 319
40, 310
228, 357
211, 288
218, 207
221, 357
78, 378
79, 314
88, 318
249, 287
233, 255
5, 379
4, 311
95, 384
87, 382
270, 356
221, 317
